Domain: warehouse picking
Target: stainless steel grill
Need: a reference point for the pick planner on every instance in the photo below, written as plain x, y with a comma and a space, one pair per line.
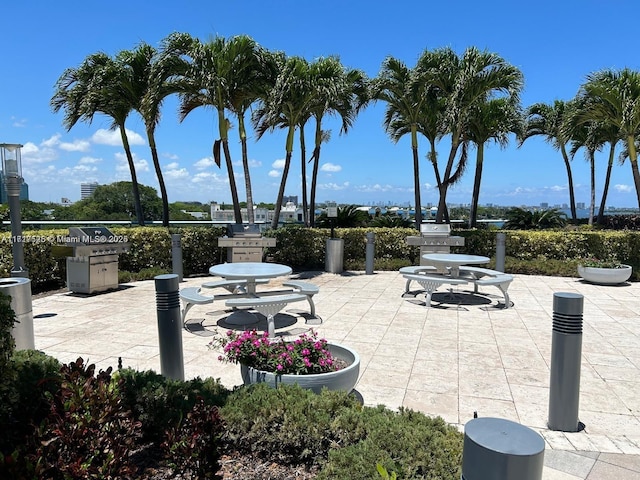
435, 238
94, 264
245, 243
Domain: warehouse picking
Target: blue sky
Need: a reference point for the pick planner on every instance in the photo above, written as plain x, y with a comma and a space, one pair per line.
555, 44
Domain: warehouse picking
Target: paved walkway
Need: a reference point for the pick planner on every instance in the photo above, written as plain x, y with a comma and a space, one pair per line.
450, 360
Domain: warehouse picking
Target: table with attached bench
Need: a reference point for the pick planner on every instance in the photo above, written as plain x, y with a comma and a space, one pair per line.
458, 274
240, 281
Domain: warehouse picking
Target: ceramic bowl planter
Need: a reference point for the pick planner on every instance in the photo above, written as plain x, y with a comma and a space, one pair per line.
344, 379
605, 276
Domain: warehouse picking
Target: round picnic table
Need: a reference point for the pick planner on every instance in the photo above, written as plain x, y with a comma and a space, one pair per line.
453, 261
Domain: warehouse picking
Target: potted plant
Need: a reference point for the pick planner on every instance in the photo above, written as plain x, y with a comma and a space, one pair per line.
308, 361
604, 272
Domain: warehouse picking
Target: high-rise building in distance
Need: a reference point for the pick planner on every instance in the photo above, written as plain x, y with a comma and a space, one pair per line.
87, 189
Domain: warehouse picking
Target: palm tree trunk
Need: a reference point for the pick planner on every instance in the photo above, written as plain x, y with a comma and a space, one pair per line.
592, 203
245, 167
436, 171
416, 176
163, 188
223, 128
607, 180
303, 174
442, 201
572, 197
314, 180
283, 181
134, 178
232, 182
633, 158
476, 186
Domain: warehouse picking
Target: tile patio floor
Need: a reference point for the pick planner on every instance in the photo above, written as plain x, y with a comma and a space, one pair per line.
448, 360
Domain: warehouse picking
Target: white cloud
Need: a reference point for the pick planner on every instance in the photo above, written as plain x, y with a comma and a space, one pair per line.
170, 156
33, 154
330, 167
254, 163
18, 122
51, 142
558, 188
172, 166
89, 160
623, 188
176, 174
274, 173
209, 178
113, 138
206, 162
279, 164
334, 186
122, 166
75, 146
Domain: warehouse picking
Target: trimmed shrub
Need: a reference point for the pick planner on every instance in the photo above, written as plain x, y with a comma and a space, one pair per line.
160, 403
408, 443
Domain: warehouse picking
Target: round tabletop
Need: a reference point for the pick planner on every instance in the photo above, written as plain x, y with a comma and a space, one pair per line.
247, 270
455, 258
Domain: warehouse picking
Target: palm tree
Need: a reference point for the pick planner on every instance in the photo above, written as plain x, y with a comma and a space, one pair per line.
208, 82
284, 106
338, 91
148, 84
548, 121
99, 85
463, 82
491, 120
254, 71
614, 100
403, 90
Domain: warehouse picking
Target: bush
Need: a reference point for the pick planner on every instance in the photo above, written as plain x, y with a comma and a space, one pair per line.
408, 443
289, 424
160, 403
35, 377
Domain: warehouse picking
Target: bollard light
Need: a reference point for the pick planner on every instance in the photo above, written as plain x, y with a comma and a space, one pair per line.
10, 154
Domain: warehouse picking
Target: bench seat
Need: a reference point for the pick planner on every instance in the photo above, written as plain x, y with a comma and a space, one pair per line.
430, 283
267, 306
191, 296
414, 270
502, 281
305, 288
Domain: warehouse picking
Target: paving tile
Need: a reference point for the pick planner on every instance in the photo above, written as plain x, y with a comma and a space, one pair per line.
569, 462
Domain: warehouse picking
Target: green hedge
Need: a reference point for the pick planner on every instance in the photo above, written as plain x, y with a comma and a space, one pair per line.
532, 252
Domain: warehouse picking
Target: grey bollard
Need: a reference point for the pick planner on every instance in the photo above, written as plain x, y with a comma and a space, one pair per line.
176, 255
334, 255
566, 355
20, 291
499, 449
370, 253
501, 240
169, 326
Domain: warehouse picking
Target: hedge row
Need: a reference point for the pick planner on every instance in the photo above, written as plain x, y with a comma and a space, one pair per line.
304, 248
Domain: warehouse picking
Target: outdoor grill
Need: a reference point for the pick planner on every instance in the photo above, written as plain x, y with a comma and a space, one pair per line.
94, 265
435, 238
245, 243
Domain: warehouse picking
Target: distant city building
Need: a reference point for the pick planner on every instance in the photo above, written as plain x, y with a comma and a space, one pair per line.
65, 202
290, 199
580, 205
289, 212
24, 190
544, 205
87, 189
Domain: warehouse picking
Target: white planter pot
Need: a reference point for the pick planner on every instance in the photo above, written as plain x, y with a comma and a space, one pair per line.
344, 379
605, 276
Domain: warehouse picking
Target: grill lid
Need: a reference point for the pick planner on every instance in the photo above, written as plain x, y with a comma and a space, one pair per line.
240, 230
435, 229
91, 235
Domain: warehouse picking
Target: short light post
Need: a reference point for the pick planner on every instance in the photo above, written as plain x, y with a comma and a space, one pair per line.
12, 173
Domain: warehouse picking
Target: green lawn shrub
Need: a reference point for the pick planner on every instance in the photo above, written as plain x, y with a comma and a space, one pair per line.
160, 403
408, 443
290, 424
